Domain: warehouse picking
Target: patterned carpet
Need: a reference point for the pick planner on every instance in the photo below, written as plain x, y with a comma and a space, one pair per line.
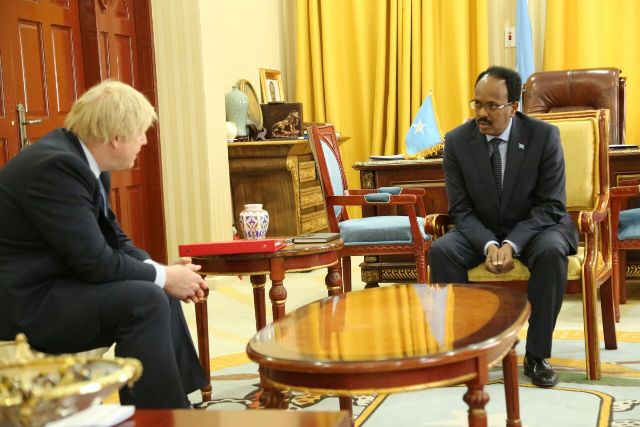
612, 401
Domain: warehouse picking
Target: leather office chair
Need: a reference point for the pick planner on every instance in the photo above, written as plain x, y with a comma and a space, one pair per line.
575, 90
585, 139
378, 235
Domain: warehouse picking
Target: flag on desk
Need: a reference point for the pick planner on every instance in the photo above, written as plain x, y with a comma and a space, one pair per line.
424, 138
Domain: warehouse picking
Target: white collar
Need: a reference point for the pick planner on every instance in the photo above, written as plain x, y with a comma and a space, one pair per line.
505, 133
93, 165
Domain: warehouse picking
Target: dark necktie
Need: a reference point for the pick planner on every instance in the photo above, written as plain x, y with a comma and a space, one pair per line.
496, 164
103, 198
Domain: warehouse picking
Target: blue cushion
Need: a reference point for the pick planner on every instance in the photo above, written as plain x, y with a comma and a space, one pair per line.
377, 197
377, 230
390, 190
629, 224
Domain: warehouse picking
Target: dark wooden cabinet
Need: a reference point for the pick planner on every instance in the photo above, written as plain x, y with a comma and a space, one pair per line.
428, 174
282, 176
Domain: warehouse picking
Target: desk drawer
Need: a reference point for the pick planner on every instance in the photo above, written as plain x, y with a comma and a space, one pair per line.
310, 197
307, 171
313, 221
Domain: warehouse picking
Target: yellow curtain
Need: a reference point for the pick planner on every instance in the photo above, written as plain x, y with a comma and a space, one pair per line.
596, 33
366, 66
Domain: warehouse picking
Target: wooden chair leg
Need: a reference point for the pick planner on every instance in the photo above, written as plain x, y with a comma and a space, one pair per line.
615, 281
346, 273
622, 269
592, 346
608, 316
421, 267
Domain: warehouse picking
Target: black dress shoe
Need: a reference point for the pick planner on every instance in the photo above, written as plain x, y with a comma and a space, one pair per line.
540, 371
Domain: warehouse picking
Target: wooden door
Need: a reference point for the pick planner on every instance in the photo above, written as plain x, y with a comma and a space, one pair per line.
122, 29
50, 52
40, 67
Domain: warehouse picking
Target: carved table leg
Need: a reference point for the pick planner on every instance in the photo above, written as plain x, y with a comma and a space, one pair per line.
271, 397
511, 393
257, 282
202, 331
333, 279
277, 292
346, 404
475, 397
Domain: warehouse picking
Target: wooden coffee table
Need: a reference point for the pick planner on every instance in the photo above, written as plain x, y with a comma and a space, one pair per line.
396, 338
295, 257
234, 418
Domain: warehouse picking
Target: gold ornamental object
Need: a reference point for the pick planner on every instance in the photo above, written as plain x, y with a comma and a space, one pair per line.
36, 388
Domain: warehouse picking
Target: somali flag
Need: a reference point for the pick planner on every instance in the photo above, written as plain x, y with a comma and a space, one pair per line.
424, 138
525, 64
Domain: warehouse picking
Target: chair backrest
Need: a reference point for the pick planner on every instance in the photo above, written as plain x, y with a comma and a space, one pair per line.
324, 145
573, 90
585, 143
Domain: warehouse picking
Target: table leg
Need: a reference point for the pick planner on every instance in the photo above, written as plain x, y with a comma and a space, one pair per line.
346, 404
333, 279
202, 331
271, 397
511, 393
257, 282
475, 397
277, 292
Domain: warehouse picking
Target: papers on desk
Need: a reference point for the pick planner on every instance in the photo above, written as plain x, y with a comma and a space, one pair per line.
389, 157
96, 416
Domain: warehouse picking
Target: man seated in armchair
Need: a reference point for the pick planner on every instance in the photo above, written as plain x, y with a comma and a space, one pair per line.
70, 279
505, 181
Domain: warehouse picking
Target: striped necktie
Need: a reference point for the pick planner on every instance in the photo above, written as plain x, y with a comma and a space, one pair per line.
496, 165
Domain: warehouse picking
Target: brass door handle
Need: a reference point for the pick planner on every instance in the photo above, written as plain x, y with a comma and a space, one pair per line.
22, 125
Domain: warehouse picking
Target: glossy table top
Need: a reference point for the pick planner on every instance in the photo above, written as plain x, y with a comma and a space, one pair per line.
410, 323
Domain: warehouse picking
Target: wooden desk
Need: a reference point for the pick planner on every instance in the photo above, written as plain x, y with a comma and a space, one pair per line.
226, 418
428, 174
396, 338
299, 257
280, 174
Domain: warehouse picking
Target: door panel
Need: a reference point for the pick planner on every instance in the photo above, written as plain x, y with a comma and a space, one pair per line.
118, 55
42, 65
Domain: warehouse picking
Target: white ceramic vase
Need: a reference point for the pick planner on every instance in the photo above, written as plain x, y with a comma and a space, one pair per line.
254, 222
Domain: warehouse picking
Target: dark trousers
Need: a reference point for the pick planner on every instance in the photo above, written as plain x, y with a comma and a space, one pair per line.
146, 324
546, 257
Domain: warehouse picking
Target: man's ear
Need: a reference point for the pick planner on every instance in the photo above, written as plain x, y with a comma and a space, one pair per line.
514, 107
115, 141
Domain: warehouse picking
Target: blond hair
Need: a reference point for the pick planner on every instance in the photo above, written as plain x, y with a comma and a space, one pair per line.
110, 109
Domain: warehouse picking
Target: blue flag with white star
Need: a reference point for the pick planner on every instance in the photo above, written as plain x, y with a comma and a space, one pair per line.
424, 137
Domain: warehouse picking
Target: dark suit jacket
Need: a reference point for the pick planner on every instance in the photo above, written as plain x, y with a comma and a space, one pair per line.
56, 246
533, 195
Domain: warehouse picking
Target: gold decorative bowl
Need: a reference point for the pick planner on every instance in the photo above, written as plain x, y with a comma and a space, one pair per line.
36, 388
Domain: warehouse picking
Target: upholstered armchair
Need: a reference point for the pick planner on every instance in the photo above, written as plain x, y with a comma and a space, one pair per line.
378, 235
625, 229
585, 141
574, 90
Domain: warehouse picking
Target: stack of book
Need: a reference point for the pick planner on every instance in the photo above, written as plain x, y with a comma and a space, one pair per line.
316, 237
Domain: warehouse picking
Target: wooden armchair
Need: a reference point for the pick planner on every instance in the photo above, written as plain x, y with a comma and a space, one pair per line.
625, 230
585, 142
396, 234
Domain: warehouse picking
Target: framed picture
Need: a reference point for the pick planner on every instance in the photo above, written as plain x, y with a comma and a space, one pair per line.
271, 86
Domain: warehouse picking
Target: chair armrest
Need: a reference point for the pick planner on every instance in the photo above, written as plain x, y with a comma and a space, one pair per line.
625, 191
437, 224
353, 200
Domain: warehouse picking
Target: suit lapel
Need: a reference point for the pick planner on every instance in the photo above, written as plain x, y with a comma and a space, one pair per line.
516, 148
479, 151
